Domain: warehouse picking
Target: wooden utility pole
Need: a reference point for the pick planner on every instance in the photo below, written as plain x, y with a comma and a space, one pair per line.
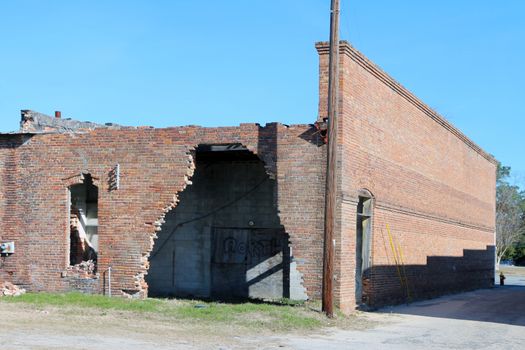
331, 163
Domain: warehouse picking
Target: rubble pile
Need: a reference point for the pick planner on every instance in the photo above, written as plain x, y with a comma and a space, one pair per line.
9, 289
83, 269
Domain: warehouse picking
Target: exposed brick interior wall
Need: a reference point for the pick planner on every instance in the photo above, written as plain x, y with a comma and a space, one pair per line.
431, 185
155, 164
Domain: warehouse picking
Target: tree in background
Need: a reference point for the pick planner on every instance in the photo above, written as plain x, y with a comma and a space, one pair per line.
510, 216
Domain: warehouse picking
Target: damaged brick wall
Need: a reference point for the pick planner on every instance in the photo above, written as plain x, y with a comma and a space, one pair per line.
34, 122
431, 185
155, 165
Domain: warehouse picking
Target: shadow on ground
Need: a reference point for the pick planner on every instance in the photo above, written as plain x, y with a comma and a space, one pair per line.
501, 304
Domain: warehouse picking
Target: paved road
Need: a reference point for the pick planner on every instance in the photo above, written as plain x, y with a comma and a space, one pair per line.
513, 280
483, 319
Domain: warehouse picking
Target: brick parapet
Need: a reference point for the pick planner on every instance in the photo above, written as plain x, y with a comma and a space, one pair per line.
351, 52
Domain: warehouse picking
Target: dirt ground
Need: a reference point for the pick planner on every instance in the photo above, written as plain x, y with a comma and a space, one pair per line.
483, 319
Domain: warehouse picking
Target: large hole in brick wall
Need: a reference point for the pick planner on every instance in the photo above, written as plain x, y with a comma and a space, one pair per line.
224, 239
83, 246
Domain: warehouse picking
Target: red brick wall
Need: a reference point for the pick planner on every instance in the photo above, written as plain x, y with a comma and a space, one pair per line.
432, 186
155, 165
10, 193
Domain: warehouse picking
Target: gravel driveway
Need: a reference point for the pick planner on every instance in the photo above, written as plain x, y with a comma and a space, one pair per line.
483, 319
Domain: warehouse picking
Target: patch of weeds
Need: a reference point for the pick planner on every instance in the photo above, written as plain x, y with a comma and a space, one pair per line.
279, 315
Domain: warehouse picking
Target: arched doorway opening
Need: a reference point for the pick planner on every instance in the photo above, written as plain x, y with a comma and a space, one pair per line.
363, 247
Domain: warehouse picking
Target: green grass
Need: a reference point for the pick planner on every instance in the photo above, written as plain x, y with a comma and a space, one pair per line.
280, 315
90, 301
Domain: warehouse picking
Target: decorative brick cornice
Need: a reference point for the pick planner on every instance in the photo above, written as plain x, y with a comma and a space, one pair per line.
356, 56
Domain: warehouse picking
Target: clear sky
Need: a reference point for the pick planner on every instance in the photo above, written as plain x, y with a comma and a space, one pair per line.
167, 63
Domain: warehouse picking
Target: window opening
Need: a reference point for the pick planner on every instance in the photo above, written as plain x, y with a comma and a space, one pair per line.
83, 244
363, 247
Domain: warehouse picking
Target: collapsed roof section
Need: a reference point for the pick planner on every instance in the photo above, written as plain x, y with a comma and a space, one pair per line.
35, 123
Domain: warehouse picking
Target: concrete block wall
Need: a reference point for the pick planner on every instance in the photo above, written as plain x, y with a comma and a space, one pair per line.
224, 238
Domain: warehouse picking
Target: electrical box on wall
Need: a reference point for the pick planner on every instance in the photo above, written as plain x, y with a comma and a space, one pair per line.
7, 248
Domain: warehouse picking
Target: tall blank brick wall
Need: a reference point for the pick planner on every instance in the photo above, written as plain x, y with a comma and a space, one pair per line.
431, 185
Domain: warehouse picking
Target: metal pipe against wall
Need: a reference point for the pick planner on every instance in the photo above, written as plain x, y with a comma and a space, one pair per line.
109, 281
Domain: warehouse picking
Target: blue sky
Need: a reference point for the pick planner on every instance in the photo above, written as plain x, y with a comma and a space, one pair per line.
166, 63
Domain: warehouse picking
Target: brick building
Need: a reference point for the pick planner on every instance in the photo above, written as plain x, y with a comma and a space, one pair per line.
238, 211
